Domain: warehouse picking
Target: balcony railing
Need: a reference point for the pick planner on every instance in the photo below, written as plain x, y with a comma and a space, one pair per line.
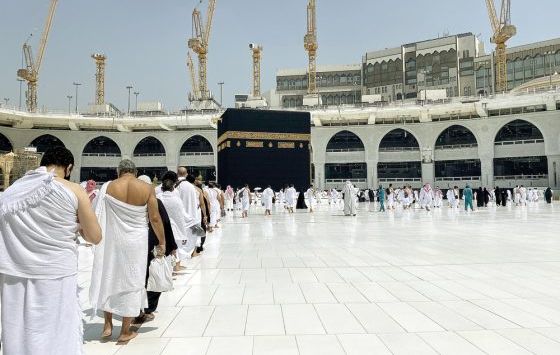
400, 180
149, 155
456, 146
184, 154
345, 150
521, 177
458, 178
399, 149
109, 155
344, 180
524, 141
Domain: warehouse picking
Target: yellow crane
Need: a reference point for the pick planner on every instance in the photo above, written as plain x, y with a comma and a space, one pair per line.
199, 44
256, 50
195, 91
32, 66
311, 46
502, 30
99, 78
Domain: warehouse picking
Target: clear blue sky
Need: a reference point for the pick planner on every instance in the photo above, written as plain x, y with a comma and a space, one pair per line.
145, 40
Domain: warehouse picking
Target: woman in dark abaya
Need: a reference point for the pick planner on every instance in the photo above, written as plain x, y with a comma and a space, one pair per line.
301, 201
498, 194
479, 197
486, 197
548, 195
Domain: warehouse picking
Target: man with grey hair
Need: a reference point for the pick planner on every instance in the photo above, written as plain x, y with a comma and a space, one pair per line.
191, 202
124, 207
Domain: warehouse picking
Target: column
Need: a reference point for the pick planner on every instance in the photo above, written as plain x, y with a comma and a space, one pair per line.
319, 174
487, 171
371, 166
553, 171
428, 172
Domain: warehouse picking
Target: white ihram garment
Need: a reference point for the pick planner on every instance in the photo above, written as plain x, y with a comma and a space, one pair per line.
266, 198
245, 200
181, 224
291, 197
38, 268
119, 265
349, 199
310, 197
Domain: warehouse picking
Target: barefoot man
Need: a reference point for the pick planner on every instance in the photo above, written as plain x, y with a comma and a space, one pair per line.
123, 208
40, 215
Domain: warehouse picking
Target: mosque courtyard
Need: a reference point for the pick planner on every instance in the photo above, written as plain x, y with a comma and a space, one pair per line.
402, 282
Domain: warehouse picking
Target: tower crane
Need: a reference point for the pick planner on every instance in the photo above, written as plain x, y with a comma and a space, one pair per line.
32, 66
195, 91
99, 78
502, 30
256, 50
199, 44
311, 46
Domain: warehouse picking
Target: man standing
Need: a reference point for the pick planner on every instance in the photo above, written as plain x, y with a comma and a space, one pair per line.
189, 197
291, 198
311, 198
266, 197
349, 194
468, 195
123, 208
40, 215
245, 201
426, 197
381, 195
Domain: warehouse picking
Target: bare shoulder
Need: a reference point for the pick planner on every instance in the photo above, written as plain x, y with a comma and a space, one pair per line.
75, 188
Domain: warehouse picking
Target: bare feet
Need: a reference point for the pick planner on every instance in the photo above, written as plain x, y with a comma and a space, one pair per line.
125, 338
107, 330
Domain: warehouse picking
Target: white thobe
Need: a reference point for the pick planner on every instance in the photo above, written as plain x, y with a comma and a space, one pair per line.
181, 224
266, 198
291, 197
41, 313
245, 199
119, 265
310, 197
426, 198
349, 200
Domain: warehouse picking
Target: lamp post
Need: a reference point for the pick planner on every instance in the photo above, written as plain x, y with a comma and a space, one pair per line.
76, 85
6, 100
69, 97
128, 88
20, 88
318, 80
221, 83
136, 93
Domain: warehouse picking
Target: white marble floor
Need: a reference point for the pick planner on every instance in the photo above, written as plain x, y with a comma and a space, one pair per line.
411, 282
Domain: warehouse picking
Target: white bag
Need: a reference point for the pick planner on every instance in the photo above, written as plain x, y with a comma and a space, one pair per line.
160, 277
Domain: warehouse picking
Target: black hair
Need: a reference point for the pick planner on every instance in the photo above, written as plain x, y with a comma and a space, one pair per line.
170, 175
57, 156
190, 178
167, 185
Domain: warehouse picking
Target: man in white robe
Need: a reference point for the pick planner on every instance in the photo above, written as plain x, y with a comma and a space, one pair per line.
291, 196
245, 201
191, 204
40, 215
123, 209
426, 197
266, 198
349, 194
451, 198
310, 194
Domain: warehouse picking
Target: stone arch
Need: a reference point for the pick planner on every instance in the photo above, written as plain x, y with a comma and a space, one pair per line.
46, 141
345, 141
456, 135
399, 139
102, 146
196, 144
149, 146
5, 144
518, 129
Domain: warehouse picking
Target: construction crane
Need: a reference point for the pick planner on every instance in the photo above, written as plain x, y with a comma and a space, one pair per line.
199, 44
32, 66
99, 78
502, 30
311, 46
256, 50
195, 91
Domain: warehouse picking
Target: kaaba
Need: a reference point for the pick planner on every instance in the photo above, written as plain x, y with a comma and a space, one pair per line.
264, 147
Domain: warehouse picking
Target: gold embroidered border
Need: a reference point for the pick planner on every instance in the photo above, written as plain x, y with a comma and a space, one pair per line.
286, 145
254, 144
264, 136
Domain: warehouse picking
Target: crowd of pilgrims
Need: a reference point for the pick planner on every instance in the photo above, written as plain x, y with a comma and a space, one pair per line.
133, 221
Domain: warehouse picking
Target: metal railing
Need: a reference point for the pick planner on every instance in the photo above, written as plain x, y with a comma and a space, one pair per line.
399, 149
183, 154
111, 155
458, 178
346, 150
456, 146
521, 141
400, 180
521, 177
344, 180
149, 155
